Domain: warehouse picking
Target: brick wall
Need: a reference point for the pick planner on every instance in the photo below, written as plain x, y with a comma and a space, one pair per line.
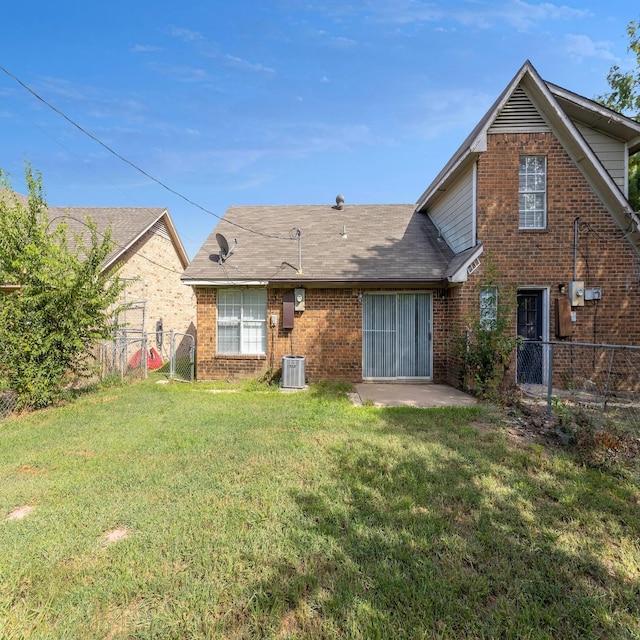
545, 258
154, 270
328, 333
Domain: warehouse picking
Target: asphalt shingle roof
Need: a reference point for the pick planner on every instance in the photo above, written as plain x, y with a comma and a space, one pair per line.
360, 243
127, 223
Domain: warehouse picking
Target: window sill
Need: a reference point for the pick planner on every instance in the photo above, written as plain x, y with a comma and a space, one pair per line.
240, 356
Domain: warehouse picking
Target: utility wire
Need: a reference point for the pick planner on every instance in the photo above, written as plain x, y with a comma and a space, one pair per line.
115, 244
131, 164
72, 153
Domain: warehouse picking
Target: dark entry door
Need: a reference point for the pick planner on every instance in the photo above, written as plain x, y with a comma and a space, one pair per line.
530, 330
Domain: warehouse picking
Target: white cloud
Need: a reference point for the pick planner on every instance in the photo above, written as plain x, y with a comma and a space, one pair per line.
182, 33
581, 46
144, 48
343, 42
402, 12
447, 110
249, 66
524, 15
319, 137
480, 14
181, 73
65, 89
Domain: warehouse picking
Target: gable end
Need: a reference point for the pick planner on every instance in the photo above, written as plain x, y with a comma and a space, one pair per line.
518, 115
160, 228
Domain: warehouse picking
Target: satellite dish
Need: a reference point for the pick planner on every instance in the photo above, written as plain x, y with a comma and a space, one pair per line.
225, 252
223, 244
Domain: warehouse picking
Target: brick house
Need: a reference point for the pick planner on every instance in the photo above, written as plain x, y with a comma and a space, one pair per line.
537, 192
150, 257
147, 250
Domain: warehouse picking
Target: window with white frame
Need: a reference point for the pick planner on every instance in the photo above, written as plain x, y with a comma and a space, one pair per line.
532, 192
242, 321
488, 307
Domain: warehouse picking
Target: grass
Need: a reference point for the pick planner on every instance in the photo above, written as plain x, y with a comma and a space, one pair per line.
257, 514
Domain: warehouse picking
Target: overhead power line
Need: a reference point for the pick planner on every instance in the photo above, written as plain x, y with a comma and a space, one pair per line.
132, 164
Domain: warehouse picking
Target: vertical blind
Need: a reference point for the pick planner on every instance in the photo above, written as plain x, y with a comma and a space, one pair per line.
397, 335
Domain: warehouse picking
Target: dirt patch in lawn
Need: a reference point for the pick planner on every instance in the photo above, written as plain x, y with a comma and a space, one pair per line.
115, 535
31, 470
20, 512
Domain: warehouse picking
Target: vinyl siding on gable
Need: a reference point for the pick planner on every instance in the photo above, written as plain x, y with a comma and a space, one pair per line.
611, 152
453, 213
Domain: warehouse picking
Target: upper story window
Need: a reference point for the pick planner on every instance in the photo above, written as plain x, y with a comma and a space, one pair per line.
242, 321
533, 192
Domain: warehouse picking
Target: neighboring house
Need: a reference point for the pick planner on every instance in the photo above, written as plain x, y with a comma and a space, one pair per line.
149, 256
537, 191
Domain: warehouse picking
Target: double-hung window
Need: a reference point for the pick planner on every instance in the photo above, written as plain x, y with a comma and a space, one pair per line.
532, 192
242, 321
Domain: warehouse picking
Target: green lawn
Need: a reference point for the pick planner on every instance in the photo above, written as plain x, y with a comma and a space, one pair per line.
258, 514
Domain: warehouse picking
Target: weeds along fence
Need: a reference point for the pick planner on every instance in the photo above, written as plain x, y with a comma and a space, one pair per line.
601, 381
131, 355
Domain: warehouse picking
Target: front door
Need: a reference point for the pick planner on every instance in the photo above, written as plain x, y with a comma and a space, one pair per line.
396, 336
530, 355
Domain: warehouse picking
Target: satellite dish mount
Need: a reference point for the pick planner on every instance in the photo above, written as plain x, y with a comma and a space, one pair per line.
225, 251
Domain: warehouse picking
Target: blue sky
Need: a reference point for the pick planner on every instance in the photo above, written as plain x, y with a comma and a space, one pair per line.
277, 101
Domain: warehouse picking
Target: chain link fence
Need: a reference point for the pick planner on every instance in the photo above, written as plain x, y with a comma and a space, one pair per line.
122, 357
177, 351
592, 391
8, 400
166, 353
131, 355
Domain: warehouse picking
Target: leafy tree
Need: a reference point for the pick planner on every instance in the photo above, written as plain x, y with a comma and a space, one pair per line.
50, 324
625, 98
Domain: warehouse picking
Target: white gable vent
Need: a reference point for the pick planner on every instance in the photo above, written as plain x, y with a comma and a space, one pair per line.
160, 229
519, 115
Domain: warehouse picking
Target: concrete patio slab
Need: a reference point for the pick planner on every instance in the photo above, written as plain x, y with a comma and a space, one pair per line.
411, 395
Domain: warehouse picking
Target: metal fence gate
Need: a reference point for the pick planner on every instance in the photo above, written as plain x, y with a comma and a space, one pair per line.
177, 351
166, 353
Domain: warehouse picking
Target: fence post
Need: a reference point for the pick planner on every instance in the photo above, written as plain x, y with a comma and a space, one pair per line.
192, 357
122, 355
144, 353
172, 356
550, 380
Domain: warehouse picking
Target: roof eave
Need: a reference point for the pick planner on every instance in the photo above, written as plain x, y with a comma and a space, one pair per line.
461, 274
320, 282
475, 143
630, 126
173, 234
588, 162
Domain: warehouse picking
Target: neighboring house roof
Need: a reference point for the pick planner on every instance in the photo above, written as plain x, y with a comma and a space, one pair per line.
386, 243
558, 108
127, 224
9, 197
